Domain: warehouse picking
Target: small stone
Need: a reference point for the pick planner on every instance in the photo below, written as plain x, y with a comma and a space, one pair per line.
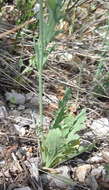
15, 98
95, 159
88, 135
100, 127
23, 188
82, 171
3, 112
21, 107
36, 8
105, 155
2, 162
67, 56
19, 130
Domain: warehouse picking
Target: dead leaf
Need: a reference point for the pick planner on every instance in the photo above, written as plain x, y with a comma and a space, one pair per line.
50, 170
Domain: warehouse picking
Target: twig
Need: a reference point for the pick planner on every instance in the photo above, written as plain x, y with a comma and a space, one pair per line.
15, 29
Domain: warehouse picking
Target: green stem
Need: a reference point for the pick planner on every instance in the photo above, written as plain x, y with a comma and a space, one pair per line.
41, 63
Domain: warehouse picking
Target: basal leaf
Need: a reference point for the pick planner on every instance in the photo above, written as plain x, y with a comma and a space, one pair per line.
62, 107
67, 124
71, 137
63, 179
79, 122
52, 144
62, 141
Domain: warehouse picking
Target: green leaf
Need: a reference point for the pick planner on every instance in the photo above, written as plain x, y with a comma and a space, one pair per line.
63, 179
50, 145
62, 141
52, 4
62, 108
67, 124
79, 122
13, 100
71, 137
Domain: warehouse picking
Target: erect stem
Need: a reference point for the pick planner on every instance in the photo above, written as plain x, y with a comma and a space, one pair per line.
41, 63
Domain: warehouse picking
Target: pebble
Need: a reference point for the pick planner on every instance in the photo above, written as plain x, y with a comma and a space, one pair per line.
15, 98
19, 130
3, 112
100, 127
82, 171
23, 188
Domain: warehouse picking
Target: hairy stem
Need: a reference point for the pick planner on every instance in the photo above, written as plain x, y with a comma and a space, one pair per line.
41, 63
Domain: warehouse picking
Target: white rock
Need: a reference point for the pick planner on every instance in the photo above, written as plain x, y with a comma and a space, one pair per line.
82, 171
2, 162
105, 155
100, 127
3, 112
15, 98
19, 130
21, 107
67, 56
95, 159
88, 135
36, 8
23, 188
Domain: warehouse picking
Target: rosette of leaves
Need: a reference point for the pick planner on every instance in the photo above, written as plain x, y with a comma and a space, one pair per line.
62, 141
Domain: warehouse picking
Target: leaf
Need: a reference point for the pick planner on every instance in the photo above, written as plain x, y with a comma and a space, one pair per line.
55, 9
51, 146
72, 137
52, 4
63, 179
67, 124
13, 100
79, 122
62, 107
62, 141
